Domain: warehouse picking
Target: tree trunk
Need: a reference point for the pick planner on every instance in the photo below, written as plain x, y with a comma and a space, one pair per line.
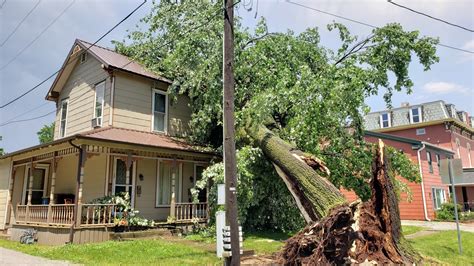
338, 232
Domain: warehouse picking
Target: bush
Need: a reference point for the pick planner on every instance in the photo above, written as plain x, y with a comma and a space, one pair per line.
446, 213
264, 200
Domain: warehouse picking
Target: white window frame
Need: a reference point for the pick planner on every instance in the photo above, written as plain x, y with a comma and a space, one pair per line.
438, 160
178, 197
443, 199
389, 119
420, 131
420, 115
133, 177
26, 183
61, 117
153, 110
195, 171
102, 104
429, 160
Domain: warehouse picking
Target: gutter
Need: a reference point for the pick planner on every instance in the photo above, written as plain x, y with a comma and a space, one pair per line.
423, 196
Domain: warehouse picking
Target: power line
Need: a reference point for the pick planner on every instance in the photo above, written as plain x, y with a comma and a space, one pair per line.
207, 21
22, 114
3, 3
366, 24
28, 119
19, 24
431, 17
57, 71
37, 37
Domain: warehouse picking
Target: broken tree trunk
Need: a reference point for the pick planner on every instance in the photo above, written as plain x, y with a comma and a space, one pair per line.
314, 194
357, 232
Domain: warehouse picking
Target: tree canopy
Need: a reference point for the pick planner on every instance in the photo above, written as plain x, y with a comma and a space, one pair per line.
308, 94
46, 133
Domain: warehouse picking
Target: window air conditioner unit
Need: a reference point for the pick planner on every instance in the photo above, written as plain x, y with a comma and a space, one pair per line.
96, 122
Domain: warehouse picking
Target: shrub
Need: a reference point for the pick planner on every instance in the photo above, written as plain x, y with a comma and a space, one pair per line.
446, 213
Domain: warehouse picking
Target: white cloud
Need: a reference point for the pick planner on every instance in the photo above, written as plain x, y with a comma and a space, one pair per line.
444, 88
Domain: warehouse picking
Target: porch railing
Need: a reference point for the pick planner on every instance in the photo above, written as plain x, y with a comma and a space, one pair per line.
98, 214
186, 212
63, 214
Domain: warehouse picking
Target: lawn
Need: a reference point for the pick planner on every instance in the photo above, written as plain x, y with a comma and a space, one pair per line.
152, 252
443, 246
409, 229
198, 250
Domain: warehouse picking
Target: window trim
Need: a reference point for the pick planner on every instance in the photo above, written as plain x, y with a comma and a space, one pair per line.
434, 194
421, 131
469, 153
158, 178
438, 160
83, 58
133, 176
102, 104
25, 179
430, 161
389, 120
61, 117
153, 111
458, 147
420, 115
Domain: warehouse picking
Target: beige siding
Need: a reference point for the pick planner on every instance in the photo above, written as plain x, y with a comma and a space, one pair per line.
66, 176
133, 106
79, 88
5, 175
94, 178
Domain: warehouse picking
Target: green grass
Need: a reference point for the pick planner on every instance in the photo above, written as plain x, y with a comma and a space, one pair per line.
265, 242
156, 252
443, 246
409, 229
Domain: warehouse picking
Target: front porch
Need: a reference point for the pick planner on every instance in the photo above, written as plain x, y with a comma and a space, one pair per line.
55, 188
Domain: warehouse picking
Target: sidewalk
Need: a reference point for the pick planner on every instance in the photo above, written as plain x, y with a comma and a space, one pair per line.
11, 257
440, 226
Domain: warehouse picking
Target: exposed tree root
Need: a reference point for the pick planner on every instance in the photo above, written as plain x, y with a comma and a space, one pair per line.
368, 232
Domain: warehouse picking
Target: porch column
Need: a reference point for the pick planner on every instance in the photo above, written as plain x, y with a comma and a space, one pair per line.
30, 184
128, 164
77, 212
10, 193
173, 195
54, 167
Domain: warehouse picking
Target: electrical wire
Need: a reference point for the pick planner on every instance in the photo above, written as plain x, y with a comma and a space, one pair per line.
3, 3
366, 24
429, 16
22, 114
57, 71
19, 24
37, 36
28, 119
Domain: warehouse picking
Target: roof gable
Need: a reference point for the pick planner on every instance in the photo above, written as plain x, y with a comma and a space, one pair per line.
110, 60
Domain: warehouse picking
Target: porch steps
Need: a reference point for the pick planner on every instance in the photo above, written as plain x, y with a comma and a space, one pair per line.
147, 234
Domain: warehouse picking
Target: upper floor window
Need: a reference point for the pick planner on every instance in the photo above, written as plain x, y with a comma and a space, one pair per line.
420, 131
83, 58
438, 160
99, 102
415, 115
430, 162
63, 118
385, 120
469, 154
458, 146
160, 111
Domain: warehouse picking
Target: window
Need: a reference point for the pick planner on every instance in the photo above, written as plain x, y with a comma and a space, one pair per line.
63, 119
415, 115
430, 162
469, 154
164, 183
438, 161
83, 57
160, 110
99, 102
438, 197
38, 190
420, 131
458, 146
198, 170
385, 120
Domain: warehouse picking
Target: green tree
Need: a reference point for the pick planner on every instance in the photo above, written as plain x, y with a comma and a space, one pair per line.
46, 133
296, 100
2, 152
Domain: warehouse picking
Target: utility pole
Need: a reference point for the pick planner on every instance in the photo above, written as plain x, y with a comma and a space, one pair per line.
230, 168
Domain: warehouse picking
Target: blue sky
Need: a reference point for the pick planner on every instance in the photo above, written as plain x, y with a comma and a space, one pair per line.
450, 80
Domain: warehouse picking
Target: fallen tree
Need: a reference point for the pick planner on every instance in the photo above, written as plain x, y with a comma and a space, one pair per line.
359, 232
313, 94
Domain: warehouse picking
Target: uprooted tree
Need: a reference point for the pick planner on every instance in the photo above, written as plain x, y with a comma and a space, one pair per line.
300, 103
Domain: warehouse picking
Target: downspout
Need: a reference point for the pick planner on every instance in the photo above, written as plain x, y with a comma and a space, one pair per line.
78, 180
423, 196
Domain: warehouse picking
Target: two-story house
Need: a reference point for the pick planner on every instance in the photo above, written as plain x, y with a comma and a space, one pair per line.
116, 130
440, 124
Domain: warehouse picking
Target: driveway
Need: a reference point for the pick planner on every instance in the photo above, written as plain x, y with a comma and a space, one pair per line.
440, 226
11, 257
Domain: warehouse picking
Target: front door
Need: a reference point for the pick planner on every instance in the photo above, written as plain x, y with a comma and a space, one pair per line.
120, 184
38, 190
